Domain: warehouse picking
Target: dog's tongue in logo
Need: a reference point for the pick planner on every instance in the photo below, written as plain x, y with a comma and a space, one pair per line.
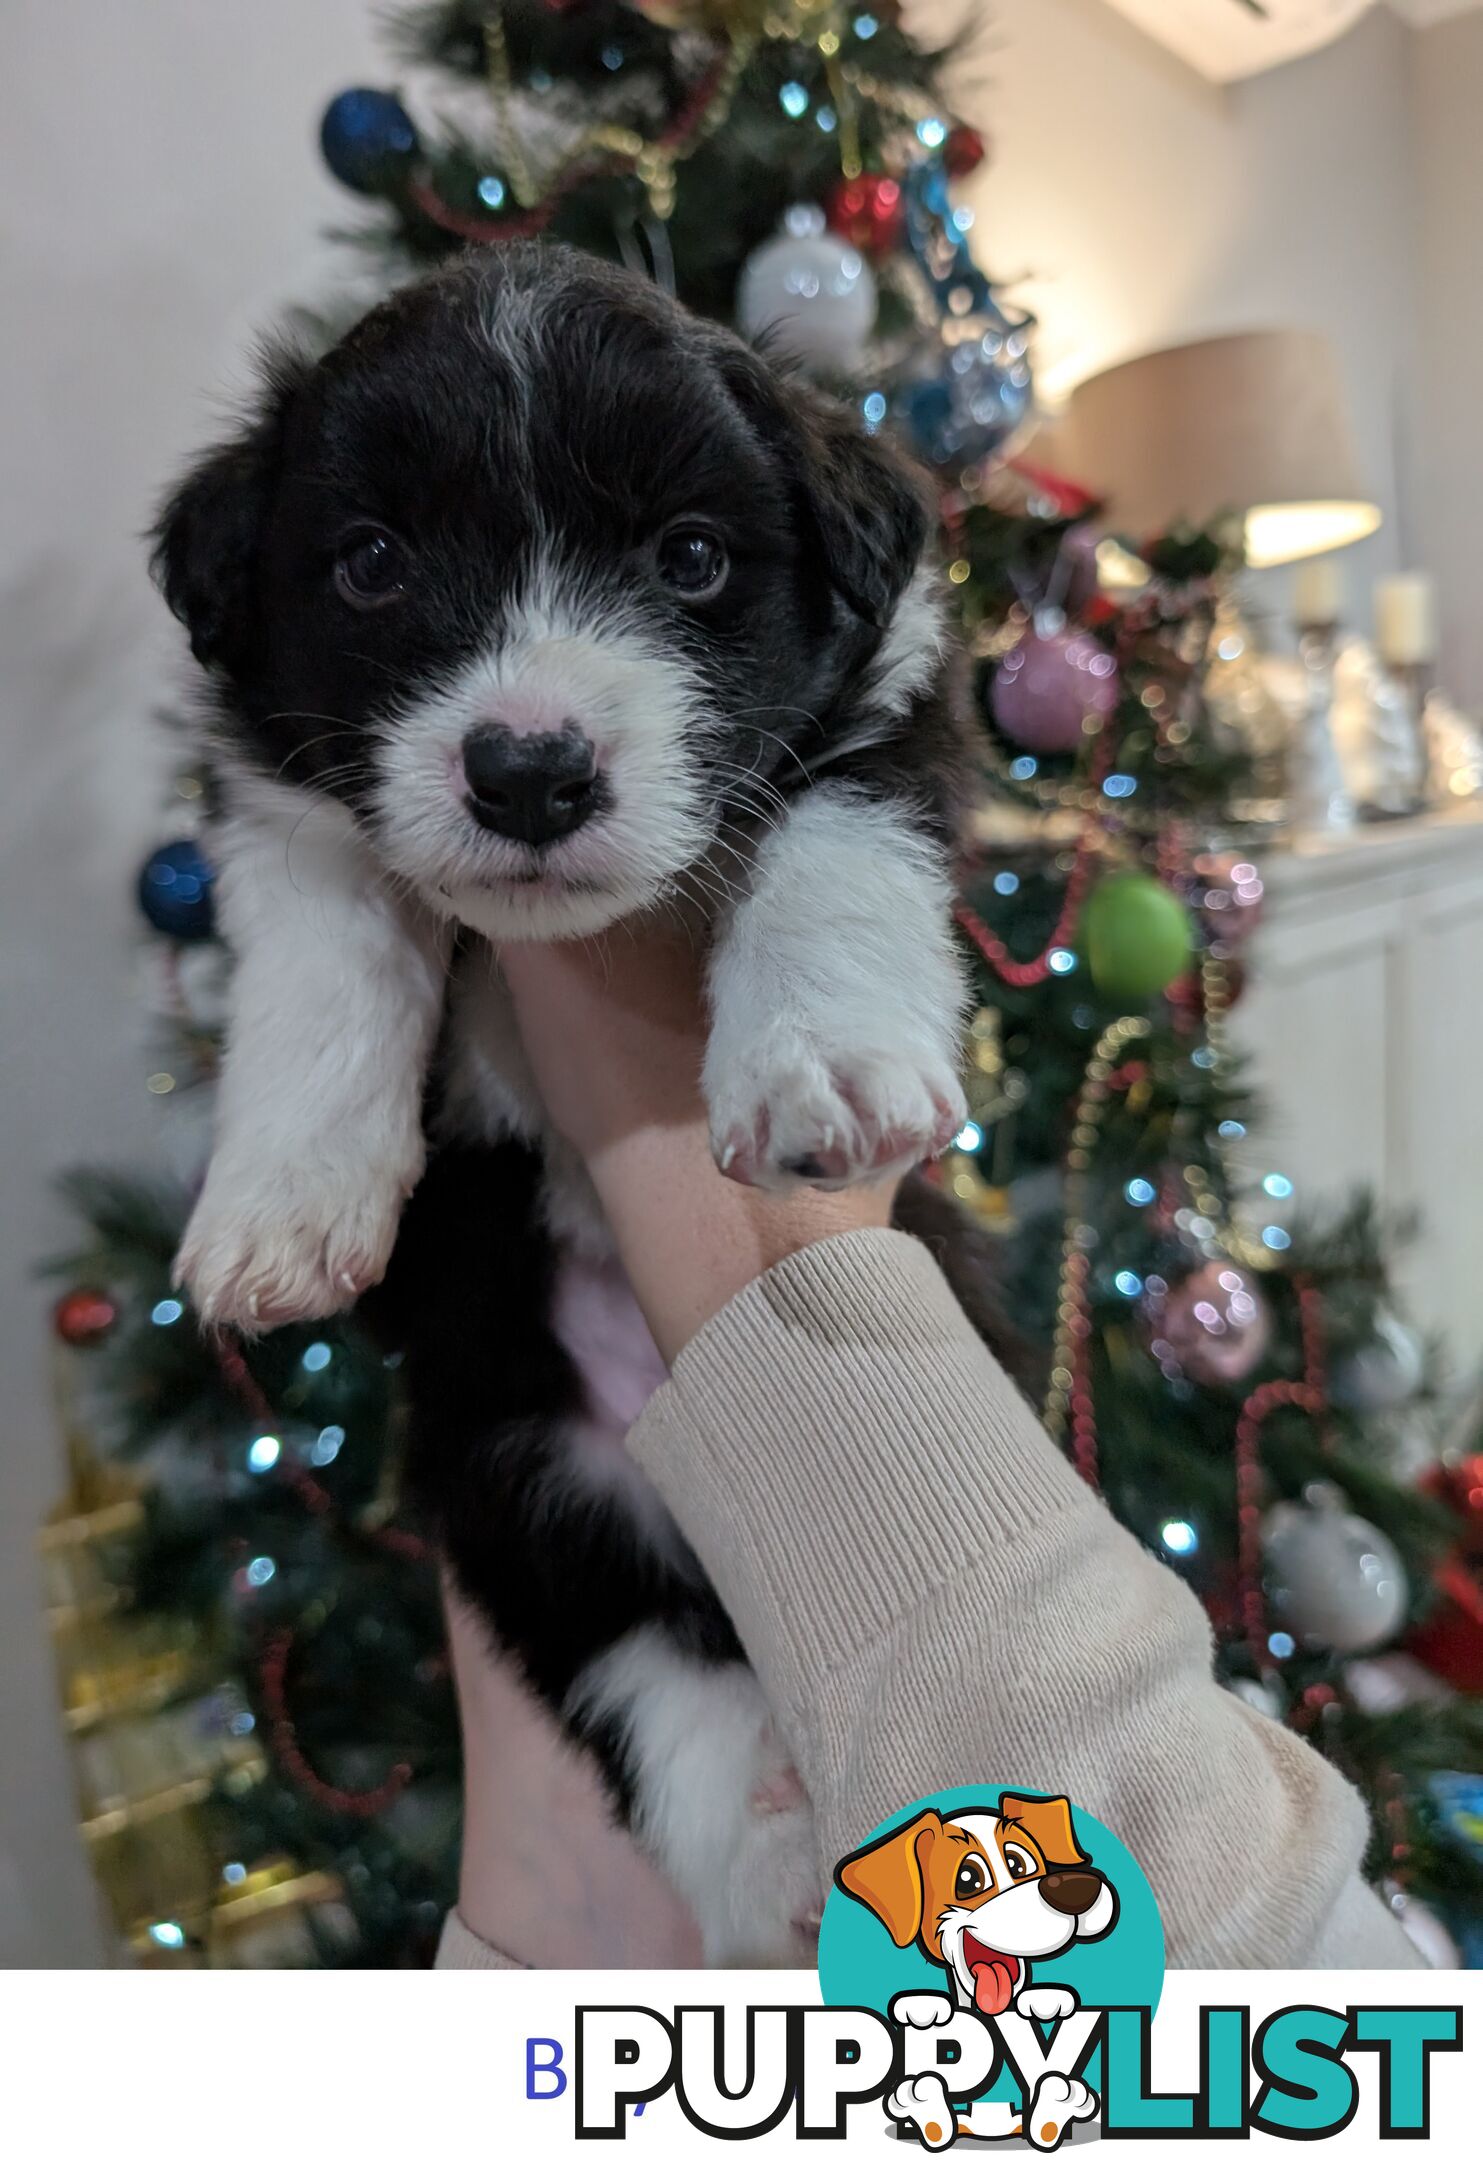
994, 1977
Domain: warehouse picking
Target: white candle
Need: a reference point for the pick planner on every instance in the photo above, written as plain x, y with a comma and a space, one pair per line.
1318, 590
1406, 619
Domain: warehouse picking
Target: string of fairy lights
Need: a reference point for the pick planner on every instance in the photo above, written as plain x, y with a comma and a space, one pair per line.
737, 28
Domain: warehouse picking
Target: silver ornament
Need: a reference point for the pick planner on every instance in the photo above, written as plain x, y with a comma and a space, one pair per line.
1334, 1581
811, 292
1383, 1374
970, 398
1259, 1695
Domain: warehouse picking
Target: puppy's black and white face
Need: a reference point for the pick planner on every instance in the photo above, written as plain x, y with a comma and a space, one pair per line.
550, 583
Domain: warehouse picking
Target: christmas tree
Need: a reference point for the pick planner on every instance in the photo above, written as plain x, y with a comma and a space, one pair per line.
234, 1570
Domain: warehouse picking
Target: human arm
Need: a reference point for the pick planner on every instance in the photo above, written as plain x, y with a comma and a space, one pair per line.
546, 1872
926, 1590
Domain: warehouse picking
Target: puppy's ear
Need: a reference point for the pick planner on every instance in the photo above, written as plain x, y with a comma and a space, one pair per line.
208, 533
888, 1876
860, 504
1049, 1824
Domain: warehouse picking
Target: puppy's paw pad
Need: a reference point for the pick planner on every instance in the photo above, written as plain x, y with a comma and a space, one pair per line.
264, 1249
832, 1121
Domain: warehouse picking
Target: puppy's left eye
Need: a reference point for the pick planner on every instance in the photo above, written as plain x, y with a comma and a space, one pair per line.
693, 561
972, 1878
370, 569
1018, 1862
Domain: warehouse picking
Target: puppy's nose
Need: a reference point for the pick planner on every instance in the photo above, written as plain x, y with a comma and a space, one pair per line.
531, 787
1073, 1892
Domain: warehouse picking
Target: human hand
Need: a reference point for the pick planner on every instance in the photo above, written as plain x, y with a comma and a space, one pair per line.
615, 1030
547, 1875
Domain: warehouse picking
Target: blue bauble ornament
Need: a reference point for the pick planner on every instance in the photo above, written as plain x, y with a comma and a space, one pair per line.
175, 892
368, 139
974, 401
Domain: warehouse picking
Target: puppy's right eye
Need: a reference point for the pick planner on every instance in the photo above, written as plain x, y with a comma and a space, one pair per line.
972, 1878
692, 561
370, 569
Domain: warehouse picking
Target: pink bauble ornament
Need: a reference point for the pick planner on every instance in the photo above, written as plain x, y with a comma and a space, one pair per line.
1049, 684
1212, 1328
1228, 897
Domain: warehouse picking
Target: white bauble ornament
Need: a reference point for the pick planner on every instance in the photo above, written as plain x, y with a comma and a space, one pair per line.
1385, 1373
811, 292
1259, 1695
1424, 1928
1333, 1580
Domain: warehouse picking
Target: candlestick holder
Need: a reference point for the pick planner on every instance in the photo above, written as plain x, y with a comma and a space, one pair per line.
1321, 802
1413, 787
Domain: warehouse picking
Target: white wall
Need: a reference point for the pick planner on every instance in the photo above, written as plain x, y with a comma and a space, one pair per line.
162, 194
1150, 207
1448, 100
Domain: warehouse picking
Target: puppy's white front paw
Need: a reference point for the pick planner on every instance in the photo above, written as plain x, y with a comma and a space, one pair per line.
798, 1108
270, 1243
924, 2103
1046, 2003
1059, 2102
922, 2012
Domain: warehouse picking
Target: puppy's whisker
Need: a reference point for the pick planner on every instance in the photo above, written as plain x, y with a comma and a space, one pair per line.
771, 734
743, 863
355, 769
746, 779
709, 883
303, 749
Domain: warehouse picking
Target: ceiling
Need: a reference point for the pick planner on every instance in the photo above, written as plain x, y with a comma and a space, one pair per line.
1228, 39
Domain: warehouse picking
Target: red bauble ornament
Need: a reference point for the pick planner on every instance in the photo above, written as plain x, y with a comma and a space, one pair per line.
868, 212
963, 152
83, 1317
1212, 1328
1450, 1639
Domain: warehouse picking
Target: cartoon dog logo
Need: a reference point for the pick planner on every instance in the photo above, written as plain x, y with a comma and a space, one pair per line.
983, 1893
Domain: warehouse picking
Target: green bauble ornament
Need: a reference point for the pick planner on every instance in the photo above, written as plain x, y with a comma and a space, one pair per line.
1136, 936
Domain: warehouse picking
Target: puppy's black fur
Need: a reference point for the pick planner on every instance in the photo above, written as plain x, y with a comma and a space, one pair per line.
639, 412
523, 398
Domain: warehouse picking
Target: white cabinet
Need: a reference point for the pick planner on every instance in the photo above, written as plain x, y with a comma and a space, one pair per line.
1364, 1024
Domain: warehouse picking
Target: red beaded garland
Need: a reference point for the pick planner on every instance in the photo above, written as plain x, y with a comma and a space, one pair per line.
1309, 1394
273, 1673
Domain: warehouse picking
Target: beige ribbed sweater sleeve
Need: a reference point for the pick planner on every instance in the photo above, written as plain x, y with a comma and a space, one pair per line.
930, 1596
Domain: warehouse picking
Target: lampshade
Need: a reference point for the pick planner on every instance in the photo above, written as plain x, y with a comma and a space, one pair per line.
1253, 423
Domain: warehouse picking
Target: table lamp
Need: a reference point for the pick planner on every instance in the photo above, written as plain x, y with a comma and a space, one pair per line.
1253, 423
1253, 426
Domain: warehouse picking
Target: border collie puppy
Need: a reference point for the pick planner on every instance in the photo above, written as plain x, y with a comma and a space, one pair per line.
532, 605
